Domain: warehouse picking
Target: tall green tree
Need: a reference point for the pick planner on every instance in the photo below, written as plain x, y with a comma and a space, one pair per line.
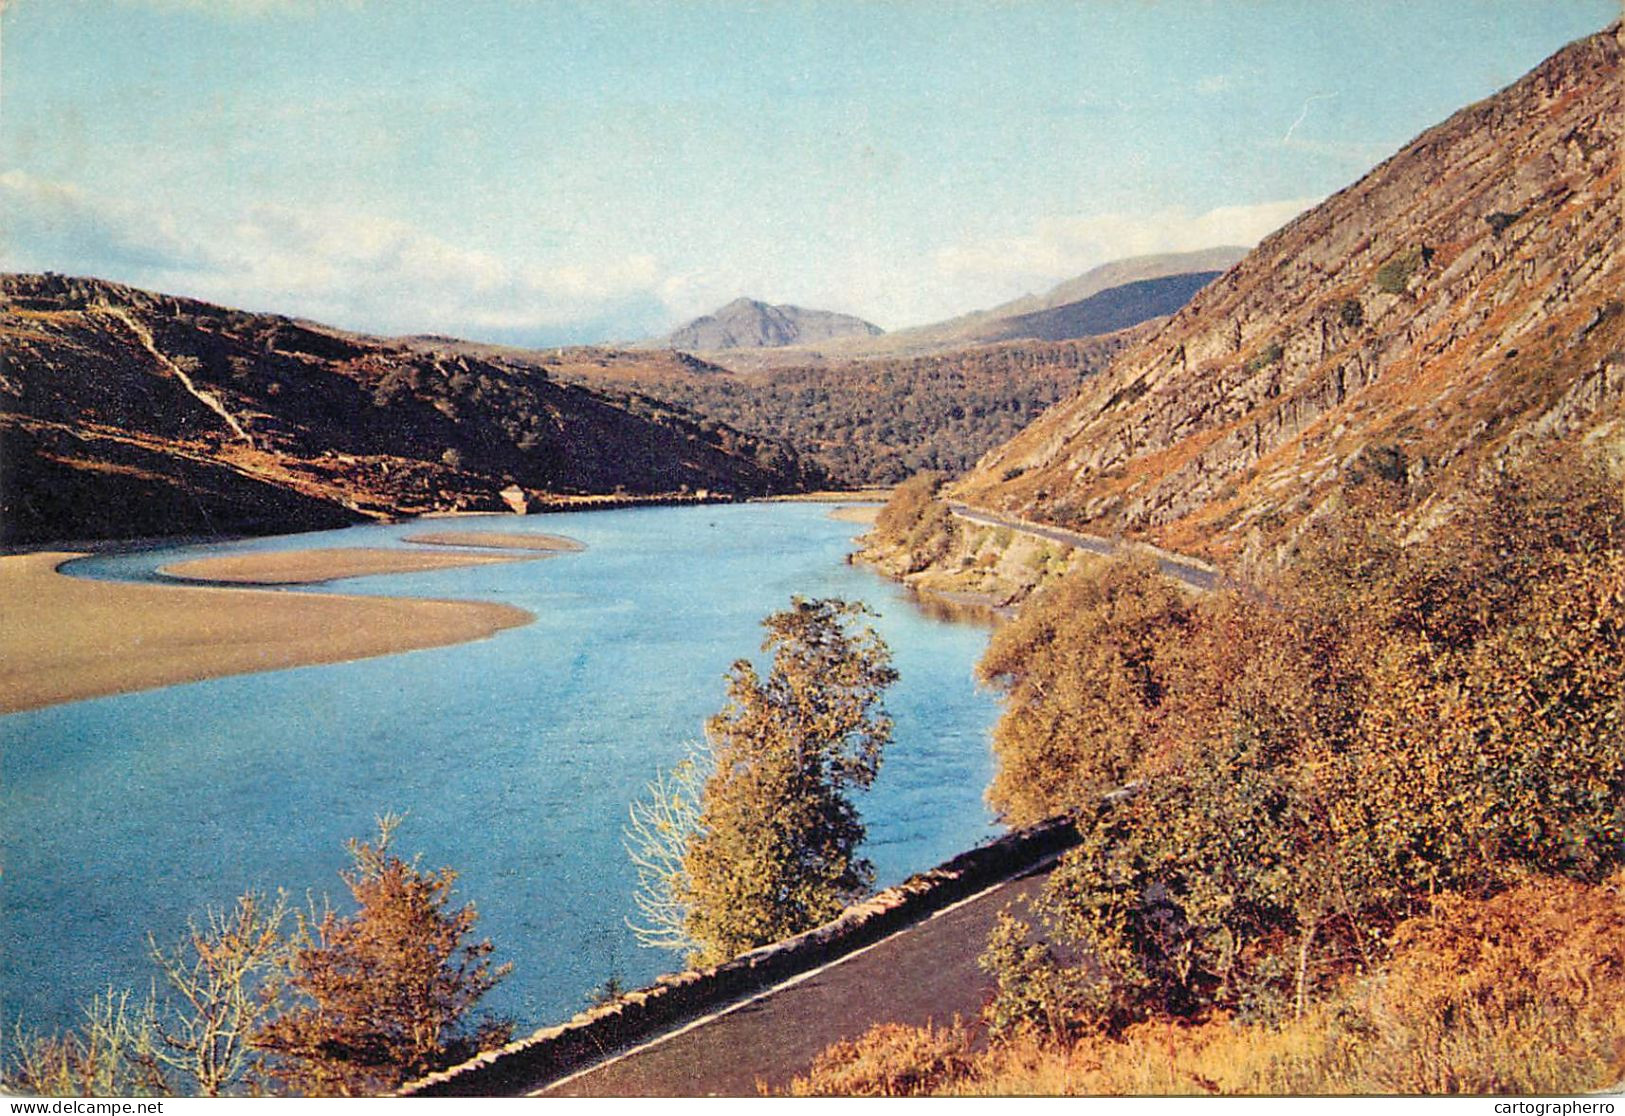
773, 850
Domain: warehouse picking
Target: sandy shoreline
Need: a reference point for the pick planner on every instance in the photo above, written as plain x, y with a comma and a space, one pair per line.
67, 638
498, 540
311, 567
855, 513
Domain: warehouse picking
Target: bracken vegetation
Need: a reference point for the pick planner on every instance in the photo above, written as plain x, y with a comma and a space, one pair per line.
1303, 798
1522, 993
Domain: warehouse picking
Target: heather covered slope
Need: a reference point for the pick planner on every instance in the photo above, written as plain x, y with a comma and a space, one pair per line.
1460, 300
129, 413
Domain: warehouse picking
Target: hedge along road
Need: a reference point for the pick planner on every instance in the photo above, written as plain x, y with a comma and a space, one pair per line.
1187, 571
925, 973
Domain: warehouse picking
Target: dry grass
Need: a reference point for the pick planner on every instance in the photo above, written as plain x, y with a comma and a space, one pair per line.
1522, 993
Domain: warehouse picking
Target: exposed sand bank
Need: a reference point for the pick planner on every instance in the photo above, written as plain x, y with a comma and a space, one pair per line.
498, 541
308, 567
855, 513
833, 496
66, 638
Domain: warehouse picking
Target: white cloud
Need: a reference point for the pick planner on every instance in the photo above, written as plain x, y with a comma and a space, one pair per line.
350, 269
1061, 247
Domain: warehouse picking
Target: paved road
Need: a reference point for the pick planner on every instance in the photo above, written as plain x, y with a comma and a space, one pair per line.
1180, 569
926, 973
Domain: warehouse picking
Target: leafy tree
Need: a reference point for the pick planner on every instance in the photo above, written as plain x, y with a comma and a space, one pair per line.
657, 835
774, 846
1081, 667
386, 994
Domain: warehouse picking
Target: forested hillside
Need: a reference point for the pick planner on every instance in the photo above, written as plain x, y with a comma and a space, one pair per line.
879, 421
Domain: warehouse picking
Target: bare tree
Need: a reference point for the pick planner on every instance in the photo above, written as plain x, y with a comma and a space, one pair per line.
656, 839
218, 972
111, 1054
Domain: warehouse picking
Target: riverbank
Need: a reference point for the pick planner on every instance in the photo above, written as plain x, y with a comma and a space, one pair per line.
312, 567
68, 639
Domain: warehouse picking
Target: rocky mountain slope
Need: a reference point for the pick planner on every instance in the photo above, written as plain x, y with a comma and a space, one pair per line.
747, 324
1460, 301
124, 412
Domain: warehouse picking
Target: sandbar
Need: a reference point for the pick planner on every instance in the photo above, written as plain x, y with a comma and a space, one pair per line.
497, 541
309, 567
855, 513
67, 638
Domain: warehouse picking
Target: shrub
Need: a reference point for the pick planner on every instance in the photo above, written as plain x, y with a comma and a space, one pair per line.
1522, 994
1080, 670
890, 1060
1315, 759
915, 523
384, 995
1394, 276
1270, 354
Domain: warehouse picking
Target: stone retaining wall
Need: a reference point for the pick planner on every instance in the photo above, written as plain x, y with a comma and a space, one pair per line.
553, 1052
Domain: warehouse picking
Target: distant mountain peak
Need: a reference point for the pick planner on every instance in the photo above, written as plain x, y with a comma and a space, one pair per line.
748, 323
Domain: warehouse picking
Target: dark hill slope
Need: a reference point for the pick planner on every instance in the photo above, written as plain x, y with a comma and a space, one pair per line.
1113, 309
129, 413
1461, 300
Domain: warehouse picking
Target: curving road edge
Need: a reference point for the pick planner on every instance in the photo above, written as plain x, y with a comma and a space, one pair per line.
1193, 572
743, 994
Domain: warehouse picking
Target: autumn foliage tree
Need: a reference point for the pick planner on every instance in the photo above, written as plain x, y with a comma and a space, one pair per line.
1320, 755
345, 1004
386, 994
772, 848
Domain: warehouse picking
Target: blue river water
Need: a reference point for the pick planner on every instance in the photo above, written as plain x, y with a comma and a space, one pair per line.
514, 757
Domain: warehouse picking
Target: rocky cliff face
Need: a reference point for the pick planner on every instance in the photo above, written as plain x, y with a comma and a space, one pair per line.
129, 413
1459, 301
747, 324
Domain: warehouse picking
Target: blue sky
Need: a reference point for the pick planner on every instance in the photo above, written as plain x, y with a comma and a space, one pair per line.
547, 172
